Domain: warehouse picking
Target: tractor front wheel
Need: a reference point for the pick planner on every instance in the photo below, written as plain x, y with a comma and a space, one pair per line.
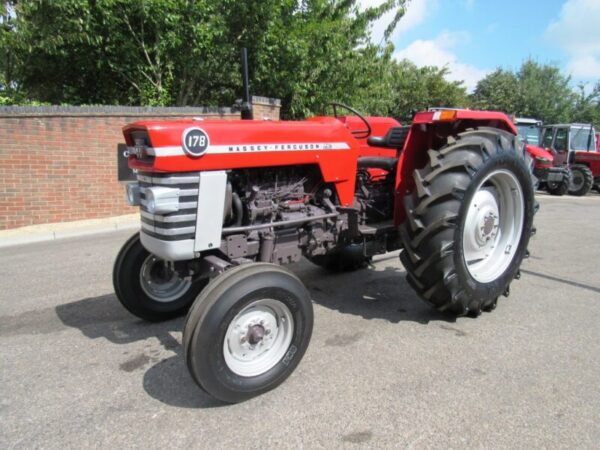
149, 287
468, 222
559, 188
247, 331
581, 180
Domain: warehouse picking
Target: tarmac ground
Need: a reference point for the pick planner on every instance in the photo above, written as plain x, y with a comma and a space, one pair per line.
383, 370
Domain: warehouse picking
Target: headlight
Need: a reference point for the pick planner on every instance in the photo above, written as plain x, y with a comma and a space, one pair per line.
132, 191
162, 200
543, 160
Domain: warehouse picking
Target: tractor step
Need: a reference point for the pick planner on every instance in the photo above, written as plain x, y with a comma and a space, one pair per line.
376, 228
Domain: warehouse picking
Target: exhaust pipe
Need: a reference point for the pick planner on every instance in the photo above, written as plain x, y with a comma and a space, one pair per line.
246, 103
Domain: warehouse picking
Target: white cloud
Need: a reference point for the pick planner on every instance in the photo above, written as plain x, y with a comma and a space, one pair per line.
577, 32
439, 52
415, 15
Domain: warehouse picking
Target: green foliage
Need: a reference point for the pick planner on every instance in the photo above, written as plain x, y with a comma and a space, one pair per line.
307, 53
587, 106
539, 91
181, 52
497, 91
544, 92
420, 88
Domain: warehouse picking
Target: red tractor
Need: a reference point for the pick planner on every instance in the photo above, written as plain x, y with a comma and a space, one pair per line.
554, 179
224, 204
574, 147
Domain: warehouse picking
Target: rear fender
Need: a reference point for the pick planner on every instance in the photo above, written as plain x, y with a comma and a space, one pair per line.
430, 130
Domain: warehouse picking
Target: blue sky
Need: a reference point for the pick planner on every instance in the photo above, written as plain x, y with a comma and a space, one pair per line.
473, 37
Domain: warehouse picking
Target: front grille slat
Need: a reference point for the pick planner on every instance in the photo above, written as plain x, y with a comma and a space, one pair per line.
182, 192
177, 225
182, 205
169, 180
169, 231
169, 218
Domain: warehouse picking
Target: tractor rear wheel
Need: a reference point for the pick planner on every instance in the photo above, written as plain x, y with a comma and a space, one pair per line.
468, 221
581, 180
247, 331
149, 287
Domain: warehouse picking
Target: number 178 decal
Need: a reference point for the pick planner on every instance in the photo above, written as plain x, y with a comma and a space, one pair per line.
195, 141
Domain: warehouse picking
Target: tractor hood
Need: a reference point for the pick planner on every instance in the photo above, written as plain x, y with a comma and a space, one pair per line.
215, 145
197, 145
539, 153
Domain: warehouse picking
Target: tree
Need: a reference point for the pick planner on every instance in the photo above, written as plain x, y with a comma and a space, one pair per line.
535, 90
183, 52
497, 91
544, 93
587, 105
420, 88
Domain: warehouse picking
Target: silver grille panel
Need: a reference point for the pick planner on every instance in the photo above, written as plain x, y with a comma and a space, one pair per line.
176, 225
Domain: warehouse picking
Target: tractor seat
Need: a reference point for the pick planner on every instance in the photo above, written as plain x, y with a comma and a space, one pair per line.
394, 138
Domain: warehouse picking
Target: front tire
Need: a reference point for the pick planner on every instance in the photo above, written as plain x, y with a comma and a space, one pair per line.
468, 222
581, 180
148, 287
247, 331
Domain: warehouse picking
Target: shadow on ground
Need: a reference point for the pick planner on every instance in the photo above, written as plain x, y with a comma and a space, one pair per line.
371, 294
167, 379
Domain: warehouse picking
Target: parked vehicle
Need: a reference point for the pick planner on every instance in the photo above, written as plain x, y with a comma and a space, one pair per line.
554, 179
574, 147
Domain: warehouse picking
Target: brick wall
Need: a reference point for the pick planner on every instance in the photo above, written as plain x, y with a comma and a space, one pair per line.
59, 164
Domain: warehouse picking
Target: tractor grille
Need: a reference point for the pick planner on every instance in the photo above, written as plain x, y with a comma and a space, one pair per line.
177, 225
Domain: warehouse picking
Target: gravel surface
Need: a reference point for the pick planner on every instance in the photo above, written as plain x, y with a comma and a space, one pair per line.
383, 370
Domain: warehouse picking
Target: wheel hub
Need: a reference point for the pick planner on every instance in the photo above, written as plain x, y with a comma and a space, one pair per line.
258, 337
256, 333
482, 219
161, 282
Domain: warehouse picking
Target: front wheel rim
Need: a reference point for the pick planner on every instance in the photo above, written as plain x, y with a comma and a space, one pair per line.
493, 226
161, 282
258, 337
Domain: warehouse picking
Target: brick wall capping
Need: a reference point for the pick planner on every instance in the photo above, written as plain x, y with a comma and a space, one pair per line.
267, 101
112, 111
128, 111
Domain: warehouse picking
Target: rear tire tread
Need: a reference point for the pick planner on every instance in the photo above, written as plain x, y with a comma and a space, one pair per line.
427, 254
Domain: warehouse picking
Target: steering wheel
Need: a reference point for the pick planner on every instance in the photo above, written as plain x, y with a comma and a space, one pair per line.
359, 134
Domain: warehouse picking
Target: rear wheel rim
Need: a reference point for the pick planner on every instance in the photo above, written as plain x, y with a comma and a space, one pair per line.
161, 282
493, 226
258, 337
